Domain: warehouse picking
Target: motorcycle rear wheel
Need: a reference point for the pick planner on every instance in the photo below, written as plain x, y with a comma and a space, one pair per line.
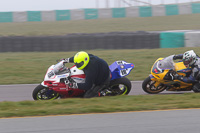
120, 86
43, 93
148, 86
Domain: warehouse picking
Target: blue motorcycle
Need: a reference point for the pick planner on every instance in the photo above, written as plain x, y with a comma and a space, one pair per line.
119, 84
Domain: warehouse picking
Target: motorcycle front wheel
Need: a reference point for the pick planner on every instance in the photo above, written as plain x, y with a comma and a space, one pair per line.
43, 93
120, 86
149, 87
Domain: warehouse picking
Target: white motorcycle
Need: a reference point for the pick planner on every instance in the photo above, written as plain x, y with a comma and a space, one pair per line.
55, 84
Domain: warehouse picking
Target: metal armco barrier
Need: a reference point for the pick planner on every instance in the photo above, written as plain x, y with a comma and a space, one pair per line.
75, 42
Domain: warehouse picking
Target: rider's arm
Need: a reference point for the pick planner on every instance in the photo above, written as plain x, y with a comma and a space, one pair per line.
91, 74
179, 56
87, 85
69, 60
192, 77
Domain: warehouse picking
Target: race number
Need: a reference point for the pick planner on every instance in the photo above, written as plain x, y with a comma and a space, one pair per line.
123, 72
50, 74
119, 62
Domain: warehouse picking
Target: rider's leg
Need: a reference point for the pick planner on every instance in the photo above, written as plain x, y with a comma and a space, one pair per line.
93, 92
196, 87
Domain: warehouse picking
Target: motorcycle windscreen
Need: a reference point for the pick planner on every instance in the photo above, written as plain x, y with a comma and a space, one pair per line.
60, 68
164, 64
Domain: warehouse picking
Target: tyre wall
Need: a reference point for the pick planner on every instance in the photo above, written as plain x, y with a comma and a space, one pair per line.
75, 42
179, 38
171, 39
192, 39
112, 40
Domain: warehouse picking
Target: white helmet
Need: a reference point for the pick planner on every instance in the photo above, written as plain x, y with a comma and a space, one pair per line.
189, 58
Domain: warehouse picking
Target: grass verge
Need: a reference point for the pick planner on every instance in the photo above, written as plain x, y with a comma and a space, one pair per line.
28, 68
160, 23
99, 105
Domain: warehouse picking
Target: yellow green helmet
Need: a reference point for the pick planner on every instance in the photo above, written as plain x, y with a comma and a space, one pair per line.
81, 59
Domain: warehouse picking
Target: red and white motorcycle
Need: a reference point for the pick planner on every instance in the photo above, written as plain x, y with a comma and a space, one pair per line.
55, 84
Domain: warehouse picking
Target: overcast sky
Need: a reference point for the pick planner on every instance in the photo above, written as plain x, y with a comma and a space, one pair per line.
41, 5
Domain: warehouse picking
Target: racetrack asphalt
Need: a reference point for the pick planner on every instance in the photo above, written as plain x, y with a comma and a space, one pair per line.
21, 92
167, 121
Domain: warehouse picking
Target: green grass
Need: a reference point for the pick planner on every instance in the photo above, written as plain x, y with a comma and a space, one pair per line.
177, 22
99, 105
28, 68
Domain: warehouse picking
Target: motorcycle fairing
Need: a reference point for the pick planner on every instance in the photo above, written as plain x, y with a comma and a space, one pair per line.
55, 79
157, 72
182, 70
77, 75
120, 69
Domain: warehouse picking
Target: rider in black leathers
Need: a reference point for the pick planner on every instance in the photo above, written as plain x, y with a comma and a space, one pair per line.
96, 70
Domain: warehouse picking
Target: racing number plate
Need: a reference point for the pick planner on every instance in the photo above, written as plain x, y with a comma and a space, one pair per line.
123, 72
50, 74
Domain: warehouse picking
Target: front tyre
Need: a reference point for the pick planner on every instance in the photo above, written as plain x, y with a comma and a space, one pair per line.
120, 86
148, 86
43, 93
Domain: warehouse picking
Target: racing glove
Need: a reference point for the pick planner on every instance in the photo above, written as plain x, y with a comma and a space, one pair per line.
176, 76
179, 78
179, 56
65, 60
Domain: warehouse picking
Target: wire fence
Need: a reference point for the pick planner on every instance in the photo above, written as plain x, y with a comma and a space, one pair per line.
129, 3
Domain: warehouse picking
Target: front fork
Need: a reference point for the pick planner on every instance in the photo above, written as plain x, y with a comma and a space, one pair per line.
157, 83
